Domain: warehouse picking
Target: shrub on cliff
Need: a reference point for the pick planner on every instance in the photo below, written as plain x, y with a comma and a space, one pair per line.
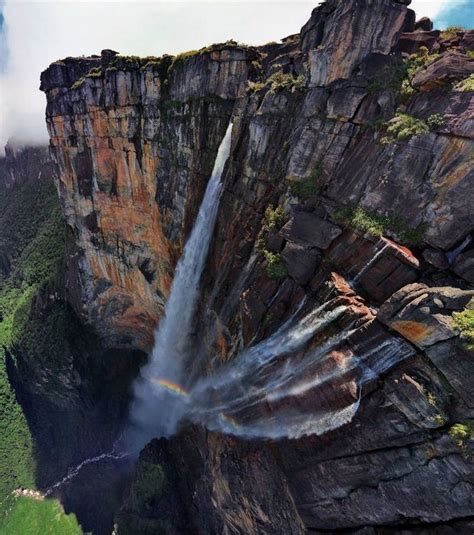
435, 121
306, 187
275, 268
465, 85
464, 324
411, 66
274, 218
403, 127
451, 32
374, 224
280, 81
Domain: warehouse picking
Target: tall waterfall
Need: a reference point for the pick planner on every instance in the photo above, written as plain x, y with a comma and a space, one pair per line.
249, 396
154, 410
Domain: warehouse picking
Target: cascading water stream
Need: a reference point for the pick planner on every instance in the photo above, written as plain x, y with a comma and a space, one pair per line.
155, 411
371, 262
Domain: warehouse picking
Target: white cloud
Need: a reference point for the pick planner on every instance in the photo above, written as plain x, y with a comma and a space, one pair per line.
39, 32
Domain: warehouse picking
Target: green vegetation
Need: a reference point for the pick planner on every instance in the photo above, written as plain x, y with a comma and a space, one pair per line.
451, 32
402, 127
463, 434
32, 236
275, 268
470, 53
280, 81
255, 87
416, 61
389, 78
17, 464
78, 83
411, 66
431, 398
377, 225
460, 432
147, 485
96, 72
31, 233
272, 222
465, 85
33, 517
398, 77
274, 218
435, 121
464, 324
183, 56
306, 187
440, 420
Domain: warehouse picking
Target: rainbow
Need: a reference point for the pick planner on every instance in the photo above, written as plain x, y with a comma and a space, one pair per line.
172, 387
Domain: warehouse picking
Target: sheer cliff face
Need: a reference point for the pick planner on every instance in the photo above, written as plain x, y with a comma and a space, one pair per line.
350, 139
135, 147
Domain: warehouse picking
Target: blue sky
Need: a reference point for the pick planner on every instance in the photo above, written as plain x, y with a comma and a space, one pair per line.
3, 44
37, 32
461, 14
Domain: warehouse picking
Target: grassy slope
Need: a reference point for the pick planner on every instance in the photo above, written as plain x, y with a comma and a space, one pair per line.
32, 233
32, 517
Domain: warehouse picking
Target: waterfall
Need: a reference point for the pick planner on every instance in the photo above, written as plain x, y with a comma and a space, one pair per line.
236, 398
155, 411
371, 262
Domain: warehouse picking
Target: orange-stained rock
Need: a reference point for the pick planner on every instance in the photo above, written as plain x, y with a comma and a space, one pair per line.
133, 165
424, 315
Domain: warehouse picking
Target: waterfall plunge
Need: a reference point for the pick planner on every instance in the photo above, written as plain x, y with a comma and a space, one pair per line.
263, 374
155, 411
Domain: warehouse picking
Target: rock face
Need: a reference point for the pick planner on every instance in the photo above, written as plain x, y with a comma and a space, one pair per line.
22, 164
340, 35
234, 505
322, 197
450, 67
135, 147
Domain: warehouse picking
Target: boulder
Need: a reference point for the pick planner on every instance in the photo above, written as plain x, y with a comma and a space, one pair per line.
423, 315
456, 362
275, 242
300, 262
410, 42
425, 24
467, 40
436, 258
464, 266
448, 68
306, 228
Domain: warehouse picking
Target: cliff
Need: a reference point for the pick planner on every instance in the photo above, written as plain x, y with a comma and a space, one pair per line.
350, 173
